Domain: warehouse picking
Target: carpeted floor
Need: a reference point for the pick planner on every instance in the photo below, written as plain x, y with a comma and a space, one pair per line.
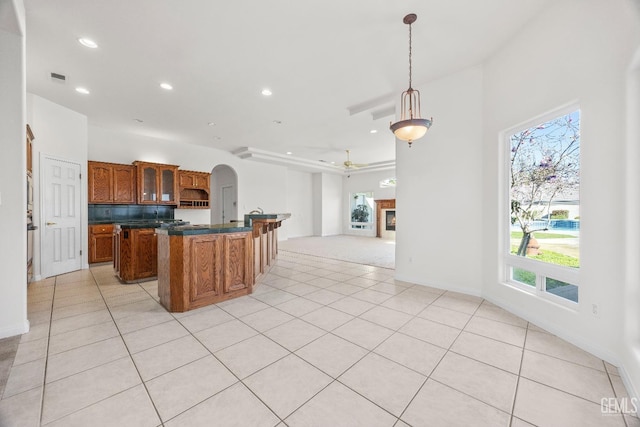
361, 250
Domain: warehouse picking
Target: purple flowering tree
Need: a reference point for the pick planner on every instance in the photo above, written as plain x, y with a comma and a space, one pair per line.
545, 165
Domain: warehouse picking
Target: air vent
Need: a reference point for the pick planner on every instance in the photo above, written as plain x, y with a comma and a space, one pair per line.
60, 77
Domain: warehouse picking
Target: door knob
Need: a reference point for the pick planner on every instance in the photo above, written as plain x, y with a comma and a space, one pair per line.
51, 223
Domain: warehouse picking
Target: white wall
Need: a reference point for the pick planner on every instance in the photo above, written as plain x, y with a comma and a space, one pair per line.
13, 164
576, 51
299, 204
362, 183
61, 133
439, 178
327, 204
630, 356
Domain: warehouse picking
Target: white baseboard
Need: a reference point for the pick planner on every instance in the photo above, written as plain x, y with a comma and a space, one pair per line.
443, 286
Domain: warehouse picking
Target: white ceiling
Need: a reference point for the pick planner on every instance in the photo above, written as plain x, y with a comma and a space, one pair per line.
330, 64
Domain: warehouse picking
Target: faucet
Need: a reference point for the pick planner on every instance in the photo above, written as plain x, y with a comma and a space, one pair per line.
256, 211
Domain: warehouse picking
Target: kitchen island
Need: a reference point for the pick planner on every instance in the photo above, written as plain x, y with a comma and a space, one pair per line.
135, 248
265, 240
200, 265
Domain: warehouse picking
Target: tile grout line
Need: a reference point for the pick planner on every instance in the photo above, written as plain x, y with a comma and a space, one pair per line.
447, 350
515, 394
128, 351
46, 361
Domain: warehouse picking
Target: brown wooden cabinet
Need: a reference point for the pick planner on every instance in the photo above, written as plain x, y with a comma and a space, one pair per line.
203, 269
100, 243
265, 245
111, 183
30, 139
137, 255
194, 189
157, 183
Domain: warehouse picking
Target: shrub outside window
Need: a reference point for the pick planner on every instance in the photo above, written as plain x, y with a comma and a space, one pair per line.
362, 211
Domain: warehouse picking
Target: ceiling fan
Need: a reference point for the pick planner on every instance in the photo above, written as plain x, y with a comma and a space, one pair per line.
348, 164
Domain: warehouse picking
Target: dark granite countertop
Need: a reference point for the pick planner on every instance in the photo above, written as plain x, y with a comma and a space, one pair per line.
248, 218
149, 223
188, 230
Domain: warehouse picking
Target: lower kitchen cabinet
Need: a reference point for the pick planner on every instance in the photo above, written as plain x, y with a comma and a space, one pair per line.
198, 270
100, 243
137, 254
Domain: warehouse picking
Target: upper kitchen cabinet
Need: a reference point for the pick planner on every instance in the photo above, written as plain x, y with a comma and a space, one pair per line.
157, 183
111, 183
194, 189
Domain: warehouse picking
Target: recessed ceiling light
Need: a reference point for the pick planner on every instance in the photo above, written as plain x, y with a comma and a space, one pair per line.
373, 131
211, 124
289, 153
82, 90
266, 92
166, 86
138, 120
278, 122
88, 43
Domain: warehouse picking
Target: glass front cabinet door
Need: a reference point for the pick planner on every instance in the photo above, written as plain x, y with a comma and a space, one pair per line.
157, 183
168, 180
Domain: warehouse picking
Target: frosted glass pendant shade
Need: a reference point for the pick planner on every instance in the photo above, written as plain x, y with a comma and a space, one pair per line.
410, 130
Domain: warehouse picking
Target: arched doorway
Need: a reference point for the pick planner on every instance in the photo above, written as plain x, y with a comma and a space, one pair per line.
224, 195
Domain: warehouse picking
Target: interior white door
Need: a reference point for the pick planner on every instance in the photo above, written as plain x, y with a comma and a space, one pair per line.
61, 236
227, 203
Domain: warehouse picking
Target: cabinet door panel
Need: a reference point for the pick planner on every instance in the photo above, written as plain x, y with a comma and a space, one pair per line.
99, 183
168, 182
124, 184
206, 268
149, 184
236, 262
100, 243
185, 179
202, 181
146, 253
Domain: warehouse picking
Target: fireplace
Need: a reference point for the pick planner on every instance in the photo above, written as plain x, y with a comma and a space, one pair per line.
390, 222
382, 205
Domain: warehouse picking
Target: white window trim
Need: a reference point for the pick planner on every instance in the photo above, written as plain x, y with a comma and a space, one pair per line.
541, 269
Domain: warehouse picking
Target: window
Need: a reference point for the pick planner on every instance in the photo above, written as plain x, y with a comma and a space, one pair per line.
543, 253
362, 211
388, 182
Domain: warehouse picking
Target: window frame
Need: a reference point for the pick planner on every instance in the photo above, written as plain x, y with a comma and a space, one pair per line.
542, 270
368, 226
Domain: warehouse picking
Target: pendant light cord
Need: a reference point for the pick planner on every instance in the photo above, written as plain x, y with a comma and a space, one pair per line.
410, 56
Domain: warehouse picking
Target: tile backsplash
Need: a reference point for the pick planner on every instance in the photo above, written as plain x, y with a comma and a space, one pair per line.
115, 213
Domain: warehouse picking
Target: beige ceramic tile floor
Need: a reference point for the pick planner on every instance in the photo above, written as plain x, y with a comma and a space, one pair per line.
319, 343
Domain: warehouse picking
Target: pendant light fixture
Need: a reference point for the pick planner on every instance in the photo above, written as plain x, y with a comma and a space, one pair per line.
411, 125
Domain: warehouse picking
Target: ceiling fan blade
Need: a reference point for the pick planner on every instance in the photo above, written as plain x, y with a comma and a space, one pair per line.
348, 164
